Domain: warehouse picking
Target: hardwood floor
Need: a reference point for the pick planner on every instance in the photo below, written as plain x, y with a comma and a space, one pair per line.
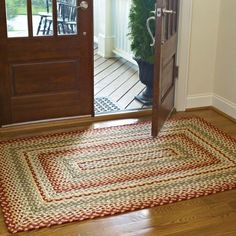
205, 216
118, 80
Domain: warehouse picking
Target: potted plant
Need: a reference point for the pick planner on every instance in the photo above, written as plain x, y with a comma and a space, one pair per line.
140, 45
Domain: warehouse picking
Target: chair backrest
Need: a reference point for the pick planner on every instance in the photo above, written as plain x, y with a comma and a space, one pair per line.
48, 5
67, 10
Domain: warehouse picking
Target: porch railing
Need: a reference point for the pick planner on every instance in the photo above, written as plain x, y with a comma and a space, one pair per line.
120, 27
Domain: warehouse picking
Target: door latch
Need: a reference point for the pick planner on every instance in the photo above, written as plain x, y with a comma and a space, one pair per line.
158, 12
83, 5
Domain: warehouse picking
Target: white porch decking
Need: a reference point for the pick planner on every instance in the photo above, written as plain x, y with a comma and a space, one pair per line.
118, 80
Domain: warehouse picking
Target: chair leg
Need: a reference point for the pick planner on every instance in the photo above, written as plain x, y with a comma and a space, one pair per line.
40, 23
72, 28
59, 28
49, 27
63, 28
45, 26
67, 29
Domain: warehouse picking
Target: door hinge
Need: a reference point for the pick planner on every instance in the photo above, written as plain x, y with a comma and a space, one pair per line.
176, 71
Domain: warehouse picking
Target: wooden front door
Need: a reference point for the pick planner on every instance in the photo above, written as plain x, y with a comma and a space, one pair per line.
165, 71
46, 64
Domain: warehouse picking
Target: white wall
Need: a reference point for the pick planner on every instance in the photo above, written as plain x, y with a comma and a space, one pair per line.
205, 18
225, 69
212, 64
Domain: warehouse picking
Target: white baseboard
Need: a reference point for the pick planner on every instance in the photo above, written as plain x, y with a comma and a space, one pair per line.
199, 100
224, 105
95, 39
214, 100
127, 56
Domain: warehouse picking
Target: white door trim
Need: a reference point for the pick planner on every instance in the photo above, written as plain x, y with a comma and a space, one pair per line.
184, 43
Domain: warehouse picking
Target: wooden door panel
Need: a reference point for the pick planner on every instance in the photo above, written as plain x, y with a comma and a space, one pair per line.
169, 49
46, 77
165, 62
42, 48
167, 105
168, 75
47, 106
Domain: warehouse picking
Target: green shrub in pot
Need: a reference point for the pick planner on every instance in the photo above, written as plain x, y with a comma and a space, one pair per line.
140, 44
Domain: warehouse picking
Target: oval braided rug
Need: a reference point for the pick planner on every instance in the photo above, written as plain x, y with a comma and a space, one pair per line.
64, 177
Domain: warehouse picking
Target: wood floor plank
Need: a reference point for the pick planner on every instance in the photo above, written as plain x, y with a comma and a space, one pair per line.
115, 84
107, 71
135, 104
115, 75
96, 56
111, 70
124, 88
95, 51
128, 97
104, 65
99, 61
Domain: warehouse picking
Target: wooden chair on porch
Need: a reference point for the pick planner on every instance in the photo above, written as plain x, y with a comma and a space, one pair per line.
43, 16
66, 18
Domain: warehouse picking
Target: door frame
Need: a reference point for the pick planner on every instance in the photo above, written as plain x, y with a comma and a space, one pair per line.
183, 55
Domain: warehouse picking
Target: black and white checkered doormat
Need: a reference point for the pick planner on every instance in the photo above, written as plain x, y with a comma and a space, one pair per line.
104, 105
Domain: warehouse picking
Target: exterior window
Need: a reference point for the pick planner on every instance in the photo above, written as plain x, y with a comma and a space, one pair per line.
42, 17
66, 17
17, 22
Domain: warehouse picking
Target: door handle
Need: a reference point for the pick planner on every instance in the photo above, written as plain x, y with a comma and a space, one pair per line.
149, 29
83, 5
157, 13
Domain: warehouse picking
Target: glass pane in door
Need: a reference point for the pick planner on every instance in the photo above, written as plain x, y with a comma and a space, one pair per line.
17, 22
42, 17
66, 17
